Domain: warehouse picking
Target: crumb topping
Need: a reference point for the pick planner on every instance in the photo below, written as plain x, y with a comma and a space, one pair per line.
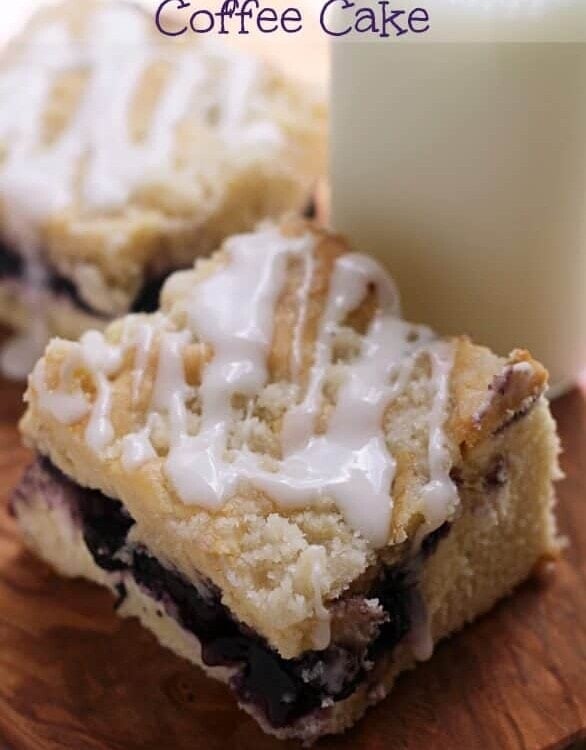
279, 460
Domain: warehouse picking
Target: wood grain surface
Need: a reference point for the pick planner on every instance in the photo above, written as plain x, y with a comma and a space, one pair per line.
75, 677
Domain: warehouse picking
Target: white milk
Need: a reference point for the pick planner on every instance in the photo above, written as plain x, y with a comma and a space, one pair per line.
463, 166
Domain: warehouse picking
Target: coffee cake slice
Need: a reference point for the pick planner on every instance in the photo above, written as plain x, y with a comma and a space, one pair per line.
125, 154
287, 483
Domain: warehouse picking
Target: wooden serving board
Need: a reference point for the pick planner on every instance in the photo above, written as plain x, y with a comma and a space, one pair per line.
75, 677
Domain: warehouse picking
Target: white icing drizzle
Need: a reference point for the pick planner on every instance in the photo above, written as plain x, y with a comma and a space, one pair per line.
170, 389
103, 360
98, 355
144, 335
302, 300
322, 628
137, 448
439, 496
348, 288
99, 431
239, 88
232, 312
64, 406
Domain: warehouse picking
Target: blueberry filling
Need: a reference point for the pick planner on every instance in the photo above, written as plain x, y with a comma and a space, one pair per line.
392, 589
147, 299
283, 690
431, 541
11, 263
310, 210
199, 610
105, 526
12, 266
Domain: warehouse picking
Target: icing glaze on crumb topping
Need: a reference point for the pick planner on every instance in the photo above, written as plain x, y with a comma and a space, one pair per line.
69, 97
115, 53
228, 326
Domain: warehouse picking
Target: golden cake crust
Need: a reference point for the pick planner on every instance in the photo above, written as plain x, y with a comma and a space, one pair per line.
261, 556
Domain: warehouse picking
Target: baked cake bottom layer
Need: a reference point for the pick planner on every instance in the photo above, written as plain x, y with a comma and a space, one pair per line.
459, 572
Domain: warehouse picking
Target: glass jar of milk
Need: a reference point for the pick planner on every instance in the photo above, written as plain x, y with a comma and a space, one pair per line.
461, 161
